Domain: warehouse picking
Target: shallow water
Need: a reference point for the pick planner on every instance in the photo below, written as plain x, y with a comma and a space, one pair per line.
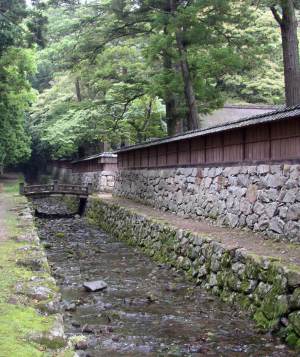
147, 309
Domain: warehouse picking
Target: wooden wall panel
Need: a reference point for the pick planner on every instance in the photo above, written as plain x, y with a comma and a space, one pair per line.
261, 142
214, 155
283, 129
172, 154
153, 156
125, 159
233, 145
144, 158
198, 151
257, 133
283, 148
233, 153
137, 158
259, 151
214, 148
131, 159
233, 137
213, 141
120, 160
184, 152
162, 155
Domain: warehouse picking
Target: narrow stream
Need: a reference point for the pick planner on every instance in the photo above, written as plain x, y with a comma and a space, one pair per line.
147, 309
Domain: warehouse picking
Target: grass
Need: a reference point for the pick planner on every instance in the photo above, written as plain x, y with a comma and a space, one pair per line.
17, 320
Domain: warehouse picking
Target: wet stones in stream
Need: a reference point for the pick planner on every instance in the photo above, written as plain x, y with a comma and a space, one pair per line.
97, 285
146, 309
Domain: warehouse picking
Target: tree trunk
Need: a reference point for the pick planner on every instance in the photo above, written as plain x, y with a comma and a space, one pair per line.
193, 116
171, 113
78, 92
288, 25
170, 101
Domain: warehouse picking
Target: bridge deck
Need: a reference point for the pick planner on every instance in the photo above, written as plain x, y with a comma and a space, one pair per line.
55, 188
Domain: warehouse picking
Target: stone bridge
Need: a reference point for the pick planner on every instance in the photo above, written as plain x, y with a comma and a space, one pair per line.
55, 188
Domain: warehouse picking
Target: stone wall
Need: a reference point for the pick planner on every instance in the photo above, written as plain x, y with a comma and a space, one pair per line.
103, 181
263, 286
61, 174
265, 198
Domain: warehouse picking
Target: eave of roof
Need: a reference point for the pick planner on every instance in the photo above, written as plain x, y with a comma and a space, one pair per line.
96, 156
281, 114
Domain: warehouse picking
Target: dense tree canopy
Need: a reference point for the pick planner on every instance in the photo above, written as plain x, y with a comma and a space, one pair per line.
124, 71
16, 63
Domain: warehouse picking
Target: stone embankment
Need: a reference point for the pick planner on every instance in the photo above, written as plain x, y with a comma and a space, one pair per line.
264, 198
269, 288
31, 323
41, 288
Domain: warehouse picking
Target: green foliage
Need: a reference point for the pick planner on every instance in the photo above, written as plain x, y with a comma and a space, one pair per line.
15, 97
263, 81
11, 14
17, 64
109, 68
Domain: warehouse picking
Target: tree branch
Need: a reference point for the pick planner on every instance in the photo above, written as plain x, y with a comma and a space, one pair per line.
126, 104
276, 15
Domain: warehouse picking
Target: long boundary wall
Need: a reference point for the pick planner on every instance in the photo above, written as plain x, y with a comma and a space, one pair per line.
265, 198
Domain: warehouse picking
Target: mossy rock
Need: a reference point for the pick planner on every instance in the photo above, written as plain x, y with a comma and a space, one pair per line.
60, 235
263, 323
274, 275
247, 286
295, 299
275, 306
252, 268
221, 276
226, 260
233, 282
294, 319
243, 301
293, 340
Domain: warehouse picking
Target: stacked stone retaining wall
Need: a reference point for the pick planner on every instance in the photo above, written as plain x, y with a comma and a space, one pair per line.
102, 181
265, 198
268, 289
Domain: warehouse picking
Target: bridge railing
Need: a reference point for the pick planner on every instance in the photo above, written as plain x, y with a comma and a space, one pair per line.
55, 187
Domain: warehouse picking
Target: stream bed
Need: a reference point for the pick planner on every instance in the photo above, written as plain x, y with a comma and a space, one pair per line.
147, 309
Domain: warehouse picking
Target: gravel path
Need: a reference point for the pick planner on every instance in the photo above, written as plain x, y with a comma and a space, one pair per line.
253, 242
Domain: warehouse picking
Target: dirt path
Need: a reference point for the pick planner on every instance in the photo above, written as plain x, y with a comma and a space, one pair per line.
5, 203
2, 214
253, 242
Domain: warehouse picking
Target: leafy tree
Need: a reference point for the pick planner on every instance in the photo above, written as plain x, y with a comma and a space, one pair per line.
12, 13
261, 79
284, 12
17, 63
15, 97
125, 71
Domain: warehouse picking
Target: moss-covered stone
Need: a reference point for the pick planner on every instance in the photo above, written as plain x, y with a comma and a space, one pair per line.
274, 306
294, 318
295, 299
293, 340
263, 323
60, 235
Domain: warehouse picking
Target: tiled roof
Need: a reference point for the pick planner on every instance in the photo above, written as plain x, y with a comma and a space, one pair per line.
280, 114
